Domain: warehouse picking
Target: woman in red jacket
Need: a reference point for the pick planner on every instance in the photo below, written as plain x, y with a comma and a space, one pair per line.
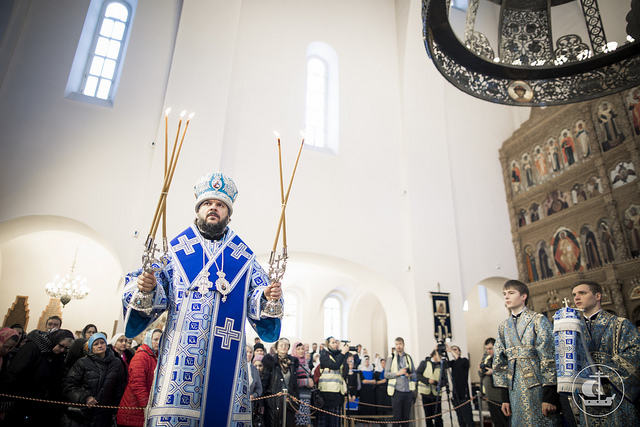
141, 371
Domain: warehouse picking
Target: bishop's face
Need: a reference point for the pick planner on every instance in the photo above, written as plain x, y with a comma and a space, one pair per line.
213, 217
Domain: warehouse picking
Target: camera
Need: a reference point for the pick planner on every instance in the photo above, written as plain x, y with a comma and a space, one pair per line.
483, 368
351, 347
442, 349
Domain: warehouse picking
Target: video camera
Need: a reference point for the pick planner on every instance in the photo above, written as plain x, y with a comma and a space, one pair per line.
442, 349
351, 347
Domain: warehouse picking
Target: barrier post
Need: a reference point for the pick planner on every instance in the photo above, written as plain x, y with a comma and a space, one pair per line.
284, 407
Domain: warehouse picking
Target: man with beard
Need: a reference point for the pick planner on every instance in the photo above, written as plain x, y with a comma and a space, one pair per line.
202, 376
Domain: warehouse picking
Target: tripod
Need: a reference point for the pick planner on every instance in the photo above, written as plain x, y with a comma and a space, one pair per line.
444, 379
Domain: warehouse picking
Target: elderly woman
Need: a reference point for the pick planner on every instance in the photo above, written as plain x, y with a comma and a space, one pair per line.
280, 373
305, 384
36, 371
141, 371
96, 379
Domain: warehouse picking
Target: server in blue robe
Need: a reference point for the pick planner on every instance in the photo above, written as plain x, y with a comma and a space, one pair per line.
524, 362
201, 378
613, 344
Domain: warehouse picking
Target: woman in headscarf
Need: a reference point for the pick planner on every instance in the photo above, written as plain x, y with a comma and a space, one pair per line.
258, 405
368, 389
36, 371
8, 340
280, 373
96, 379
119, 346
305, 384
141, 371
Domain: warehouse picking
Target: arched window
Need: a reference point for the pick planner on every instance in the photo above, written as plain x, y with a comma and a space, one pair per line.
290, 319
321, 108
101, 50
332, 308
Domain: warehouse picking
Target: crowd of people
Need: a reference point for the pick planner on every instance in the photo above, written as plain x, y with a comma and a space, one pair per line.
107, 382
74, 381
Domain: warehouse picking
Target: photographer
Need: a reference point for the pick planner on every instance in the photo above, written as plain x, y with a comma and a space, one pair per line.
428, 377
331, 383
460, 378
402, 382
488, 390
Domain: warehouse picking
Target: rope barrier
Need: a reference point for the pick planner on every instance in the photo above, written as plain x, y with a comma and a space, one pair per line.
295, 399
57, 402
360, 420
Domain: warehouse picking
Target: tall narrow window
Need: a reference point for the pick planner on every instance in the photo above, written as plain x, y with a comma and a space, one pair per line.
101, 50
321, 108
316, 114
107, 51
332, 317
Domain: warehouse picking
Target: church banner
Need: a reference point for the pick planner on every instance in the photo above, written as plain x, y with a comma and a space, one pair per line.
441, 315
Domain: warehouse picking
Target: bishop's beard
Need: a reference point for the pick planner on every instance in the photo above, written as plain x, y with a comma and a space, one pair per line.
212, 231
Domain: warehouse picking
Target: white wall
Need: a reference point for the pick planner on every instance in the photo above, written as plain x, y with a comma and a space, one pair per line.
415, 196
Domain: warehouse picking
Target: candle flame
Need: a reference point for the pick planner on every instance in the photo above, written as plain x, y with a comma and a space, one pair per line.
184, 112
302, 133
191, 116
167, 111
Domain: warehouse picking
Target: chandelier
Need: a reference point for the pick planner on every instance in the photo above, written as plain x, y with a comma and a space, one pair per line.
68, 287
510, 56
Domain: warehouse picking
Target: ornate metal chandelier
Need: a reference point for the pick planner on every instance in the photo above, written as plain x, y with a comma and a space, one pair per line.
68, 287
528, 69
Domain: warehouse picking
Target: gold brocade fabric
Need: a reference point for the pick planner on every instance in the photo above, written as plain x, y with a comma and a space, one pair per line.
614, 341
524, 362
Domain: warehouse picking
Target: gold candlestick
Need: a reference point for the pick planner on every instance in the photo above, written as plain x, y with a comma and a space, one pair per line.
143, 301
278, 263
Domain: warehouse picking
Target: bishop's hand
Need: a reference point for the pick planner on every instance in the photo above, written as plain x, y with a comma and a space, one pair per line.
273, 292
146, 282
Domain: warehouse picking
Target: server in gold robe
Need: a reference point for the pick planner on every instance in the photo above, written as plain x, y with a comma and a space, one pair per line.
614, 346
523, 364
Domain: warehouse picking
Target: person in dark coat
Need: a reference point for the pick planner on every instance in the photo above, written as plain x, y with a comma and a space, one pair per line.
141, 372
280, 373
96, 379
382, 398
36, 371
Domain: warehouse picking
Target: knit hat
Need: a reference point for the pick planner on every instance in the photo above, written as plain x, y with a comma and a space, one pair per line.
217, 186
94, 337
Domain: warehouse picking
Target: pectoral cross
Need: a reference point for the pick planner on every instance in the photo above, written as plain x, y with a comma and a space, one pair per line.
203, 283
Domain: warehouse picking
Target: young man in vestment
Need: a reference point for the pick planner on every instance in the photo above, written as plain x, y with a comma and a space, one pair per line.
202, 378
614, 343
524, 362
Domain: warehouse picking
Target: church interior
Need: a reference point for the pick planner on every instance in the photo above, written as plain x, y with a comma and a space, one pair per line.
409, 190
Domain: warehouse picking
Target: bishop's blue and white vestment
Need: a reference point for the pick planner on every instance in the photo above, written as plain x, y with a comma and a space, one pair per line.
201, 378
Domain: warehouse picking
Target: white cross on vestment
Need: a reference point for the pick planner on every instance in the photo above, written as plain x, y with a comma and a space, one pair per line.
227, 333
239, 250
186, 245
